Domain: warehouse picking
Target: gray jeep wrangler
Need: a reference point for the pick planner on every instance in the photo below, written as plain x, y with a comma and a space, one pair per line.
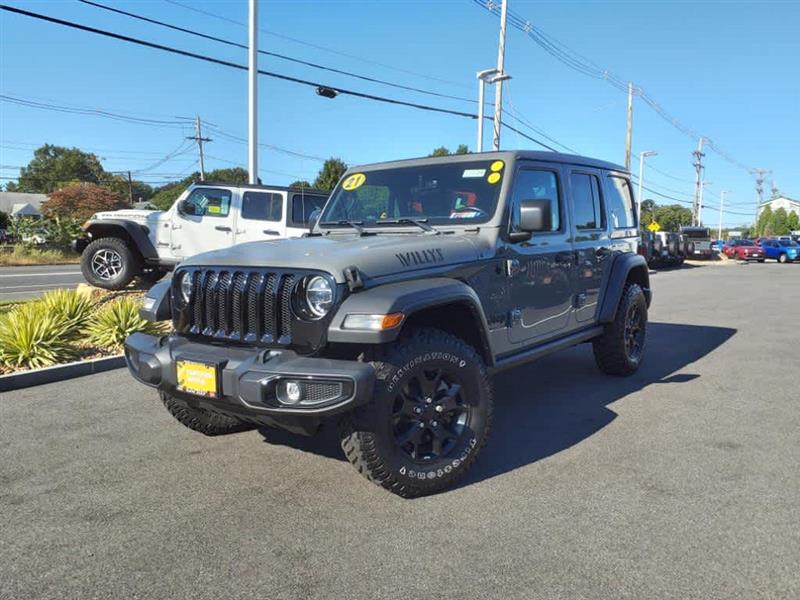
418, 281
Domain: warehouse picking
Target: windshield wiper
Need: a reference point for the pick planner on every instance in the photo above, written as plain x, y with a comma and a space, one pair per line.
354, 224
421, 223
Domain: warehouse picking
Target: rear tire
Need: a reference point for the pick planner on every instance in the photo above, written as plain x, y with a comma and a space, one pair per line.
619, 350
429, 417
198, 419
109, 263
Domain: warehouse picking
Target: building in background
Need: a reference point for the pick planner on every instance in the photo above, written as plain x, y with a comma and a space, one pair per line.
20, 204
789, 205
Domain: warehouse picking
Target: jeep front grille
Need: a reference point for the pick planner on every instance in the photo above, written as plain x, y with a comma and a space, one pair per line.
243, 305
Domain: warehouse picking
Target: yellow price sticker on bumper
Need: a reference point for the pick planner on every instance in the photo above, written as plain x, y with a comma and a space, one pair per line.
355, 181
197, 378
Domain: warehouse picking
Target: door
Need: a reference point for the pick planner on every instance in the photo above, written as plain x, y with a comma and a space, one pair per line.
301, 207
590, 240
204, 222
540, 269
260, 216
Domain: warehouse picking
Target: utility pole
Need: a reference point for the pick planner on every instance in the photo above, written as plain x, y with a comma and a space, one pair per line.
130, 189
198, 137
629, 129
642, 156
703, 185
252, 81
498, 91
698, 186
760, 175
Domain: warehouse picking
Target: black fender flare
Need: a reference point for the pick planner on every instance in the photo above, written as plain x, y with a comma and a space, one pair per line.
624, 266
136, 233
408, 297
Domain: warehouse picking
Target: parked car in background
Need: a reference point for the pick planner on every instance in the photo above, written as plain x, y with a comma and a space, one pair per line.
781, 250
700, 237
743, 250
120, 245
717, 245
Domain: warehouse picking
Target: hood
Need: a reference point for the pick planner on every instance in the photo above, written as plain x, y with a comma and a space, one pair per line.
139, 216
374, 255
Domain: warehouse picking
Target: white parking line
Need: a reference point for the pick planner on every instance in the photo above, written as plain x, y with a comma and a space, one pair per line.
33, 285
42, 274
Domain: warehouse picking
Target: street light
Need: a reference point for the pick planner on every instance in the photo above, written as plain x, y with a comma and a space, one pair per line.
484, 77
721, 206
642, 156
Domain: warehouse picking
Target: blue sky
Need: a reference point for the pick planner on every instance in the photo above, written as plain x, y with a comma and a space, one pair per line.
726, 69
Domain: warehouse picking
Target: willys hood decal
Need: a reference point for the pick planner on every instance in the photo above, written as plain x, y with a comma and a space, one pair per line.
375, 256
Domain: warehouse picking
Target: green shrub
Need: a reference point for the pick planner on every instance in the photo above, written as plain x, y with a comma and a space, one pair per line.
71, 307
109, 326
32, 337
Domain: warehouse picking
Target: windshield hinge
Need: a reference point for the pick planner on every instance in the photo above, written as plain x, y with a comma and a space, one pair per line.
353, 278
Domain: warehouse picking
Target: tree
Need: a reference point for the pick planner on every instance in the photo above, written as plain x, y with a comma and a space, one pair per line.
444, 151
648, 208
300, 183
80, 201
763, 221
330, 174
55, 166
4, 220
671, 216
780, 222
793, 221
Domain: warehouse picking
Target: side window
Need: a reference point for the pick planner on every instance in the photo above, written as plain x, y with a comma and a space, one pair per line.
262, 206
303, 205
620, 202
210, 202
536, 184
588, 204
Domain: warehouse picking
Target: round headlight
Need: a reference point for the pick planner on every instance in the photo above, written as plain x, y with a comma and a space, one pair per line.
187, 284
319, 296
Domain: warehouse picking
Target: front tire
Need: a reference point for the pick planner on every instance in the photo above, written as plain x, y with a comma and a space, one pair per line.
429, 417
198, 419
619, 350
109, 263
783, 259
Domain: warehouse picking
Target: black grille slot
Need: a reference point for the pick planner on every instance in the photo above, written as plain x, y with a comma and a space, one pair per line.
248, 306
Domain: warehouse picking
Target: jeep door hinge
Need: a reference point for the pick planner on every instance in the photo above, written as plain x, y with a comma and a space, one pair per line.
512, 267
353, 278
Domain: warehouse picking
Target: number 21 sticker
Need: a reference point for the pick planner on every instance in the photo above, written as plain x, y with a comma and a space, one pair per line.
355, 181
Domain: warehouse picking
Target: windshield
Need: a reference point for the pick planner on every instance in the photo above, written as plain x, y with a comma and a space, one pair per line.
787, 244
453, 193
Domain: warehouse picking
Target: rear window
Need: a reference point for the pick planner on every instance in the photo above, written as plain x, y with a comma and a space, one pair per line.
586, 200
620, 202
262, 206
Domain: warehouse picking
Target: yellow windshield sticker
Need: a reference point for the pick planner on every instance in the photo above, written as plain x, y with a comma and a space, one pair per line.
355, 181
213, 210
496, 166
493, 178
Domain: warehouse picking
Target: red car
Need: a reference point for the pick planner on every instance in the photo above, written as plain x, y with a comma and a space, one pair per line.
743, 250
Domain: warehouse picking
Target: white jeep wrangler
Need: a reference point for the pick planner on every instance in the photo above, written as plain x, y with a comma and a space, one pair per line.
120, 245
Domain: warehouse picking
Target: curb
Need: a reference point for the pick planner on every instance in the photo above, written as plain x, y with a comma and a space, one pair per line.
18, 381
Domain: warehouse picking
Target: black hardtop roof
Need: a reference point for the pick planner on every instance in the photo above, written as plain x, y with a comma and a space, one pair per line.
540, 156
259, 186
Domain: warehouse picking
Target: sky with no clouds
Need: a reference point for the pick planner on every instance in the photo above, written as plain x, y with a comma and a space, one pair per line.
727, 70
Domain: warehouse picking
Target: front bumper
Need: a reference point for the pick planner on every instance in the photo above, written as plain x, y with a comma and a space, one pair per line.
249, 379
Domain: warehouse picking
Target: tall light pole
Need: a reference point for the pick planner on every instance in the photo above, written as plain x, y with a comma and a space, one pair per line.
629, 128
703, 185
721, 207
498, 90
642, 156
252, 82
484, 77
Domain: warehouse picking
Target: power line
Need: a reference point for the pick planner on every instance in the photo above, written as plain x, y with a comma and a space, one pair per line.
587, 67
226, 63
317, 46
277, 55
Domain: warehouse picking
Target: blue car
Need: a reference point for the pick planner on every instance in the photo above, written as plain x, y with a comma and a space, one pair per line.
781, 250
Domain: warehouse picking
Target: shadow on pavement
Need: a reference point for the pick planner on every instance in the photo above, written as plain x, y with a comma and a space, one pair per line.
554, 403
549, 405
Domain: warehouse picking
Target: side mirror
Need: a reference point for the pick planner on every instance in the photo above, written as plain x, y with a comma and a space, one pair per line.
313, 219
185, 208
535, 215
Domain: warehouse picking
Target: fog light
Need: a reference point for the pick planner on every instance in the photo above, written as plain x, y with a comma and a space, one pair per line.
294, 392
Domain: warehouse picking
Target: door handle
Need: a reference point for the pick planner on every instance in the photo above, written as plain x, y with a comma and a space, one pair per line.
222, 228
271, 232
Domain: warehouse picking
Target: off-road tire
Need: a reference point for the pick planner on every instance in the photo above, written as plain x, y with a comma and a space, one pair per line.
368, 434
151, 275
610, 351
129, 265
198, 419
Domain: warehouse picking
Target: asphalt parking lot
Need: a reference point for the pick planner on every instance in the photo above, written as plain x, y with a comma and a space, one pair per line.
23, 283
680, 482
